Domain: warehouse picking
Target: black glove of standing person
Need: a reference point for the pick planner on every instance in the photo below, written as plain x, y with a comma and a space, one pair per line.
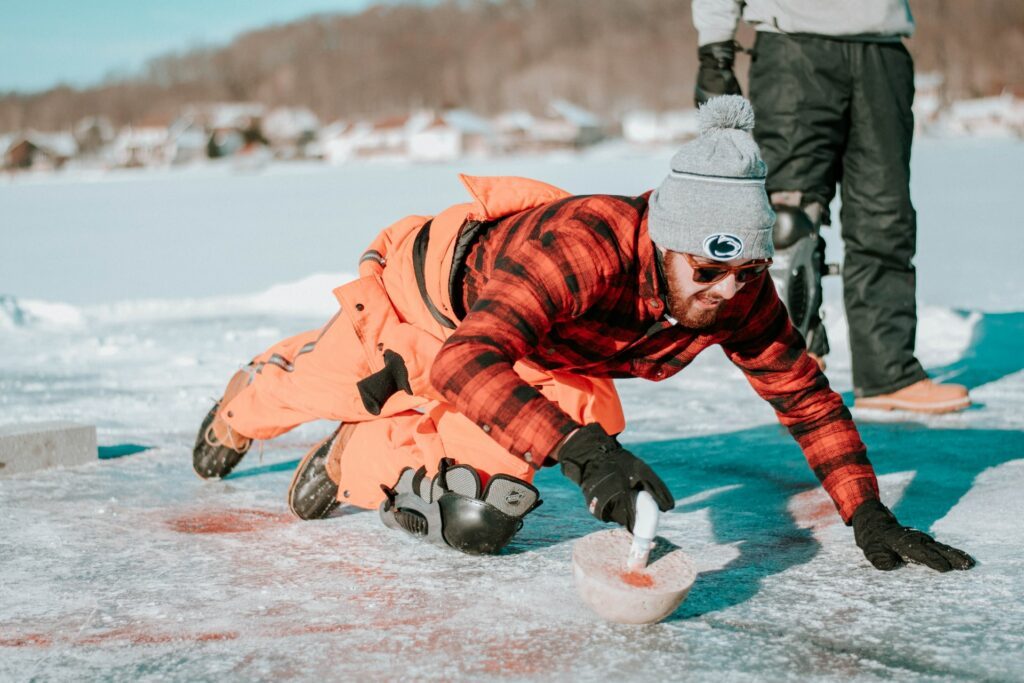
610, 476
715, 76
887, 544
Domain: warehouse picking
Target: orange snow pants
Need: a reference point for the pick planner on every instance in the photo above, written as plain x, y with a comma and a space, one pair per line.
313, 376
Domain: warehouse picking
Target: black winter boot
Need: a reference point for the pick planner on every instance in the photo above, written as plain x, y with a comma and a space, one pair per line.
210, 458
218, 448
313, 494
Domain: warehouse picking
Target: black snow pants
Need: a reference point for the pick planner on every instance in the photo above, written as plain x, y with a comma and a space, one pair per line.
832, 111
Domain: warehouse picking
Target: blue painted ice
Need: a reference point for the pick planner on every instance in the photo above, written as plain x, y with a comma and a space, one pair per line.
131, 303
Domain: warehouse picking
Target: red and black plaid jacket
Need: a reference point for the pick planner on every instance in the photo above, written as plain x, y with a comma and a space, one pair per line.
573, 285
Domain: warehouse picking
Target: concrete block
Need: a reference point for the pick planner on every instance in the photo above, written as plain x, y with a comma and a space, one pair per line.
41, 445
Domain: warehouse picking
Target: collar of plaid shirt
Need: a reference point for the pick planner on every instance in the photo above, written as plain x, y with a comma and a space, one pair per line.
653, 285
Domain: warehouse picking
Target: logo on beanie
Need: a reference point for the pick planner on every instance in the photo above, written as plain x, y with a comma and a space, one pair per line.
722, 246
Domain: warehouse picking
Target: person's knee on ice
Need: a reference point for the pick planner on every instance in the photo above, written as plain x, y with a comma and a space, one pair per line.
453, 509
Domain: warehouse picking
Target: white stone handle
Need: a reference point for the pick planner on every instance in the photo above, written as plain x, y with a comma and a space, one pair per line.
645, 528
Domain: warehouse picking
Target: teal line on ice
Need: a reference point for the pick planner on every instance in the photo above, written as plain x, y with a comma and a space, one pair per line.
285, 466
121, 450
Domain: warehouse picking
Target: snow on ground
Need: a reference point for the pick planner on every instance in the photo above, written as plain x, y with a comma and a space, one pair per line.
127, 308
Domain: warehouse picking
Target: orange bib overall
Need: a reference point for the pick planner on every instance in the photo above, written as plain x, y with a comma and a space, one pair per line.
395, 305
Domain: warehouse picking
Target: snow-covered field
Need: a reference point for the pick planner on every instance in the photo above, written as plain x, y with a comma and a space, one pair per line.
131, 297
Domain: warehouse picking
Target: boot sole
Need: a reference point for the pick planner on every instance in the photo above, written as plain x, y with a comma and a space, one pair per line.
936, 408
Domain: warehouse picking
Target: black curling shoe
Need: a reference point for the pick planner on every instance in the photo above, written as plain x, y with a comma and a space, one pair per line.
212, 459
313, 494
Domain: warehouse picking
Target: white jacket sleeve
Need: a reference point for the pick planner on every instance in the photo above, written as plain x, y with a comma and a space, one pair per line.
716, 20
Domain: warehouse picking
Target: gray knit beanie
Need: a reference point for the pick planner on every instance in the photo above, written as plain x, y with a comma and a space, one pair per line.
713, 203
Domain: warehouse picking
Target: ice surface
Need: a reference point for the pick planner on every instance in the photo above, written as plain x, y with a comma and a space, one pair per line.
130, 303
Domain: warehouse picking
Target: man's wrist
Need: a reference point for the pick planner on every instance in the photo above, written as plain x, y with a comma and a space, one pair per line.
558, 448
721, 55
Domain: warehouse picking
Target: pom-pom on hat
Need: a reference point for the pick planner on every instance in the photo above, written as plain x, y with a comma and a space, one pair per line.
713, 202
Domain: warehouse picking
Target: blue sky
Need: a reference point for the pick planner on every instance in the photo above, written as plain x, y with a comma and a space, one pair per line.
44, 42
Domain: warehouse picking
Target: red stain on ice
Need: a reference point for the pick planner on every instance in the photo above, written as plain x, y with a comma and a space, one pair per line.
228, 521
137, 637
527, 655
225, 635
638, 579
130, 635
27, 640
320, 628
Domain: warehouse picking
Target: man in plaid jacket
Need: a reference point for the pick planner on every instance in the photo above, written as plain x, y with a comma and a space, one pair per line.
490, 333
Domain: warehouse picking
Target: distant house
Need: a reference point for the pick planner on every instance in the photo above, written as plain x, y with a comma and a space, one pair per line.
290, 130
144, 142
137, 146
563, 125
513, 130
388, 138
438, 141
231, 115
93, 134
39, 151
385, 137
479, 137
450, 136
186, 141
337, 143
20, 153
648, 127
566, 125
231, 127
998, 116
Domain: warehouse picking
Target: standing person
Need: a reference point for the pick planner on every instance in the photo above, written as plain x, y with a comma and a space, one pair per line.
480, 345
832, 87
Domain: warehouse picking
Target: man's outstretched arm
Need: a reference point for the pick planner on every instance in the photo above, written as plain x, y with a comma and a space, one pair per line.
772, 355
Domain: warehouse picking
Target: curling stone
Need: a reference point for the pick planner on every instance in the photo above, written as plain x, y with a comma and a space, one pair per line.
617, 578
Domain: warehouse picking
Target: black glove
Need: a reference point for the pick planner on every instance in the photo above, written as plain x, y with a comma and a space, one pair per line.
887, 544
715, 76
610, 476
376, 389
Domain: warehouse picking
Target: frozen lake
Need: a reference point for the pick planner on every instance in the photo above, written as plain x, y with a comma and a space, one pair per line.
132, 297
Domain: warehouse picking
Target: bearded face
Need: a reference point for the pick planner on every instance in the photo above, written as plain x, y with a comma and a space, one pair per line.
693, 304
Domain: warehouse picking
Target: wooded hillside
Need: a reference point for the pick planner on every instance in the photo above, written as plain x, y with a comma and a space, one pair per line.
493, 55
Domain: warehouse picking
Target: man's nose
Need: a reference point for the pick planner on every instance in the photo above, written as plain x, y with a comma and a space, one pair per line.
727, 287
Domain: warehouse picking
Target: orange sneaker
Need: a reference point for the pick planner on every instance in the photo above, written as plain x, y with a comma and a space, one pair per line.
218, 448
925, 396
